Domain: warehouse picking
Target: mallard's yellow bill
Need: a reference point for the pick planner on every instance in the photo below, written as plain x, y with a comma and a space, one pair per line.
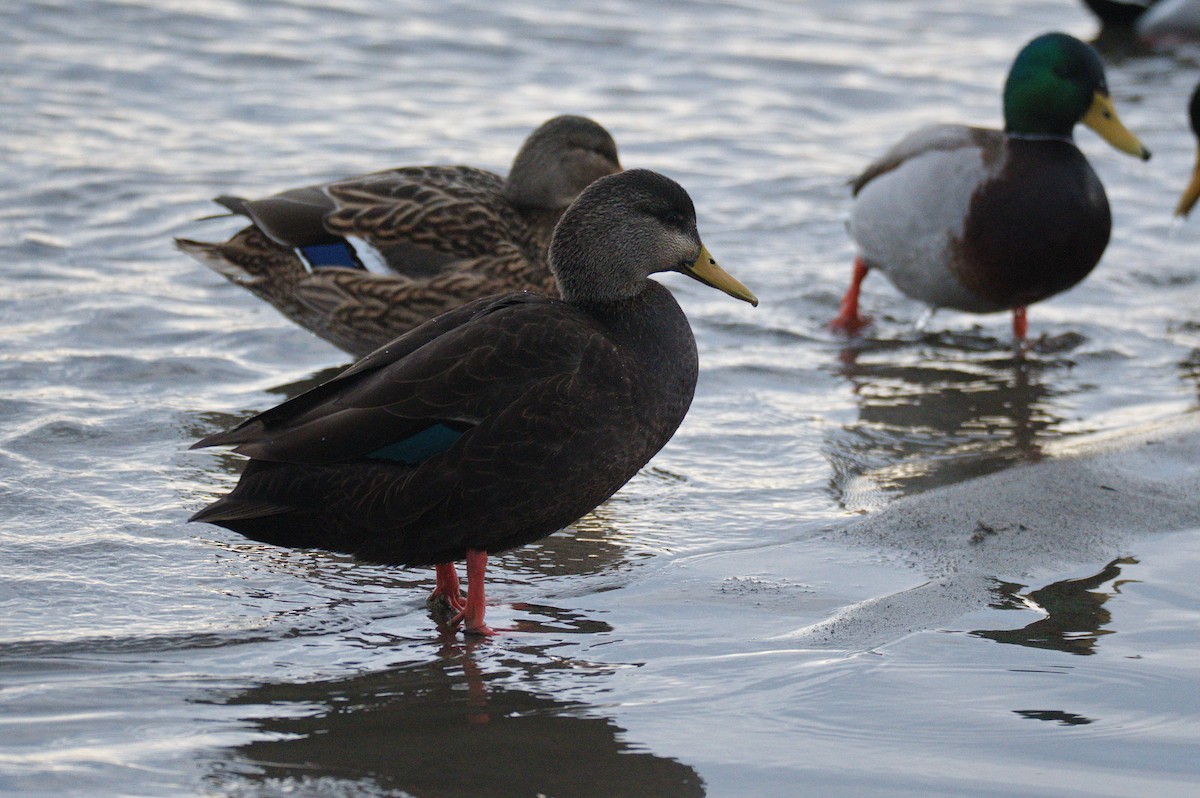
706, 270
1192, 192
1102, 118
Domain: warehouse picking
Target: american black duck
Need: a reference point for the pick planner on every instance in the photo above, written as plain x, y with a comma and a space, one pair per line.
983, 220
499, 422
362, 260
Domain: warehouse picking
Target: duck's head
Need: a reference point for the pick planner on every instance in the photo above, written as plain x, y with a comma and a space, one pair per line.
1192, 192
558, 160
1057, 81
622, 229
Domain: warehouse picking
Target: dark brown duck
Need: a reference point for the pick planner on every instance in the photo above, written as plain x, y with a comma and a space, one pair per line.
499, 422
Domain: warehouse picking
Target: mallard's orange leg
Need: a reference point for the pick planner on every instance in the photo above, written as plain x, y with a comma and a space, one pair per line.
447, 586
472, 614
1020, 325
848, 320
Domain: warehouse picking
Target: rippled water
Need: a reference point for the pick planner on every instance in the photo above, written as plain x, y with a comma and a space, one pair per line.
142, 656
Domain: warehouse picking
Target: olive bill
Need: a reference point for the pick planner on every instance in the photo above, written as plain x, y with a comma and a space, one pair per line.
706, 270
1102, 117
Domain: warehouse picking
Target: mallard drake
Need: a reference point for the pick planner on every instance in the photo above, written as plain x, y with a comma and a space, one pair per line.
499, 422
983, 220
1192, 192
361, 260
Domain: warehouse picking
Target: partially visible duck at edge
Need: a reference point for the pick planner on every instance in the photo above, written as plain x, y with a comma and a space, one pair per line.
362, 260
1192, 192
1169, 22
1117, 35
499, 422
983, 220
1133, 26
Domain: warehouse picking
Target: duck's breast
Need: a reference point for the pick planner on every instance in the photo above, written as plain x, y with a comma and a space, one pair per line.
907, 220
1038, 227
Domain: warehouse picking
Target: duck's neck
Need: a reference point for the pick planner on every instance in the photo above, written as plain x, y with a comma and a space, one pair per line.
1068, 138
651, 319
646, 326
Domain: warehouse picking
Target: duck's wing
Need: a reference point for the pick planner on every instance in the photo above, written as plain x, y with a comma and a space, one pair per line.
293, 218
457, 371
457, 211
928, 139
417, 220
366, 310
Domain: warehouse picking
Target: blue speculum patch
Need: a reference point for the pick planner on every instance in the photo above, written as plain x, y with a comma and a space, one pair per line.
340, 255
418, 448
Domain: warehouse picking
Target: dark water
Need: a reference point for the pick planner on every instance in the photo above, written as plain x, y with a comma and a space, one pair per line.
141, 656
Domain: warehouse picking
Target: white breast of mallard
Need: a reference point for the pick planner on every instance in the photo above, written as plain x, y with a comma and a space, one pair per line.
907, 222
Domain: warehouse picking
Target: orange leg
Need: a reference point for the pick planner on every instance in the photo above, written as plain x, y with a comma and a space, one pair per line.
848, 319
1019, 324
447, 586
472, 614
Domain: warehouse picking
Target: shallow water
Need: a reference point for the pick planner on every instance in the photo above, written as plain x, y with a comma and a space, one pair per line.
142, 656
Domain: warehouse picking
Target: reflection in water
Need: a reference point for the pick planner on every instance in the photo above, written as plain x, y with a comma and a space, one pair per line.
1075, 613
926, 421
444, 728
1055, 715
1191, 370
592, 545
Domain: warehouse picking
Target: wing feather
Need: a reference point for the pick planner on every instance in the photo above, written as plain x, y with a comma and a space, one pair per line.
456, 210
919, 142
469, 369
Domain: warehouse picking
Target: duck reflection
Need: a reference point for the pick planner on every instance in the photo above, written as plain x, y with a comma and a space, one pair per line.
1075, 612
1190, 369
924, 422
443, 728
1054, 716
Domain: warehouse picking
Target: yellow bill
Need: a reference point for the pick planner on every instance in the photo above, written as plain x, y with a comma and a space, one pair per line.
1192, 192
1102, 118
706, 270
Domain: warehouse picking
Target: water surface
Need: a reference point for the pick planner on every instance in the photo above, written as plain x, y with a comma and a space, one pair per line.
142, 656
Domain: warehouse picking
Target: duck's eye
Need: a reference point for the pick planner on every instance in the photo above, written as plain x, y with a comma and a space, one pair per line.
673, 219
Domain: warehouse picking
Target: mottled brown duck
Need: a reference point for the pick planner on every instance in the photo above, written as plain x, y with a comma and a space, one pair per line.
499, 422
362, 260
983, 220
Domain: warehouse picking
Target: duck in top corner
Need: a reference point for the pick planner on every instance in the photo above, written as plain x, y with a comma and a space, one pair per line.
1132, 26
1117, 37
1169, 22
983, 220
